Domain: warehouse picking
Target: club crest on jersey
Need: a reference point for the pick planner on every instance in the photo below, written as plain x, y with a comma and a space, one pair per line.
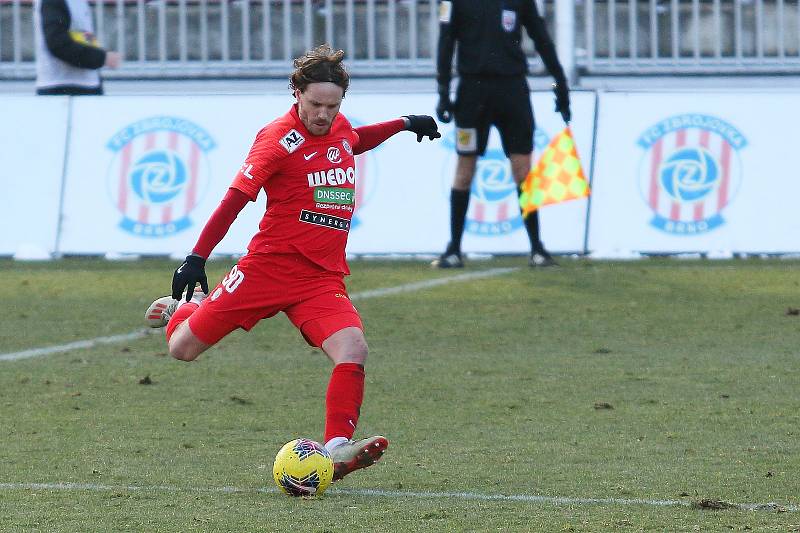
158, 173
292, 140
334, 155
347, 147
690, 172
509, 20
494, 203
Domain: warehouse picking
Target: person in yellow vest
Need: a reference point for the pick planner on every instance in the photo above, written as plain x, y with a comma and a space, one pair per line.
68, 55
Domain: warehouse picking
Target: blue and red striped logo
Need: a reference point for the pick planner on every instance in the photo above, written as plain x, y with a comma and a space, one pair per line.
494, 203
690, 172
158, 174
493, 207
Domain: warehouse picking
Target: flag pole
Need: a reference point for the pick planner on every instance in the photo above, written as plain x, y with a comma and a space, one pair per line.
591, 174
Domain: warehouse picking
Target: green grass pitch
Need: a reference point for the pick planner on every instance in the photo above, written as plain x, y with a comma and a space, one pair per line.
658, 380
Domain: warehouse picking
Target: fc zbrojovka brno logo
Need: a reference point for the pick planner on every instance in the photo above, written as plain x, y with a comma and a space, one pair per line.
690, 172
158, 174
494, 200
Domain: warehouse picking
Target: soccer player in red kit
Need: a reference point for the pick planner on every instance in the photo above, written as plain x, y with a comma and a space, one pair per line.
305, 163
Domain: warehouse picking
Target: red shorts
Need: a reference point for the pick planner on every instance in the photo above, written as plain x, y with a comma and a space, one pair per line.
262, 285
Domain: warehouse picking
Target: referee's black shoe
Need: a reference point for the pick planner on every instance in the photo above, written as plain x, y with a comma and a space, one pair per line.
541, 259
448, 260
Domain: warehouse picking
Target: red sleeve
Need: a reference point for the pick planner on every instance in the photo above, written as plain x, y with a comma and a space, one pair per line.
220, 221
262, 161
371, 136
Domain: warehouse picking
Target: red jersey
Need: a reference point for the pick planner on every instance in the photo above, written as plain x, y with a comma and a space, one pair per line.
310, 183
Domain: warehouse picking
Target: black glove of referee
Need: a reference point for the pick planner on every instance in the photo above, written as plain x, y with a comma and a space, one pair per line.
444, 109
423, 126
562, 99
192, 271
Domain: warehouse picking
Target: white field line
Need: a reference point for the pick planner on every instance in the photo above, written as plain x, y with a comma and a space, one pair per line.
89, 343
371, 493
377, 293
427, 284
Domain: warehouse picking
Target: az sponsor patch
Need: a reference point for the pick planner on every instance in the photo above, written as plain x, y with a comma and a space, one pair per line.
326, 221
292, 140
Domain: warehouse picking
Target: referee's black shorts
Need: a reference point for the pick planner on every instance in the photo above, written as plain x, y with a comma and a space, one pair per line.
500, 101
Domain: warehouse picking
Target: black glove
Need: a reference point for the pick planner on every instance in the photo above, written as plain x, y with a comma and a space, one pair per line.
444, 109
562, 99
423, 126
192, 271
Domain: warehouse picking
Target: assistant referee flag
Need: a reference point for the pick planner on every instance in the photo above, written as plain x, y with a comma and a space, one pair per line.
557, 176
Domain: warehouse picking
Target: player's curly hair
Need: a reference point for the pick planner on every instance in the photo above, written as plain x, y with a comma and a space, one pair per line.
317, 65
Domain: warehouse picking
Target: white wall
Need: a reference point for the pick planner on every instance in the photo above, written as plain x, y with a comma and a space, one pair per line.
407, 186
697, 172
209, 135
674, 172
403, 185
33, 134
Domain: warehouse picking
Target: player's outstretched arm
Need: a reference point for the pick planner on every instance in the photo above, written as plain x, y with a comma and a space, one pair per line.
371, 136
192, 271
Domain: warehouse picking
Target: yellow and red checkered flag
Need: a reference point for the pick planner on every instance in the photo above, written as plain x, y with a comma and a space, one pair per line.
557, 176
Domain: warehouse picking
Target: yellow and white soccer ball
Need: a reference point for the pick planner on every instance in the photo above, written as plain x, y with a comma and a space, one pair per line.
303, 467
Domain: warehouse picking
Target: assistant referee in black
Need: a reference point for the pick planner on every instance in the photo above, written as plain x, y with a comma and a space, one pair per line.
492, 91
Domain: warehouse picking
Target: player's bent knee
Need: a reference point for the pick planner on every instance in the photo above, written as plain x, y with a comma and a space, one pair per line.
347, 346
183, 354
354, 352
357, 354
184, 346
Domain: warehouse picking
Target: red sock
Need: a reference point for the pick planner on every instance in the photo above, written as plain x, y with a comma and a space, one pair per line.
182, 313
343, 400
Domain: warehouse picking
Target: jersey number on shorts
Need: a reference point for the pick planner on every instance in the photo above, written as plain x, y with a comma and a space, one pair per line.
234, 278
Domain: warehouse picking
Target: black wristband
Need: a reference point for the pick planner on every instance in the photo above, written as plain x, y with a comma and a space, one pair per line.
195, 260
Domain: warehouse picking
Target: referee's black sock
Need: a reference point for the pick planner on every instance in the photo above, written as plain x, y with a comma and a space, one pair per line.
459, 202
532, 227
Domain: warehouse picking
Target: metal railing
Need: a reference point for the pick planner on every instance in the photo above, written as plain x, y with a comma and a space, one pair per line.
212, 38
695, 36
249, 38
